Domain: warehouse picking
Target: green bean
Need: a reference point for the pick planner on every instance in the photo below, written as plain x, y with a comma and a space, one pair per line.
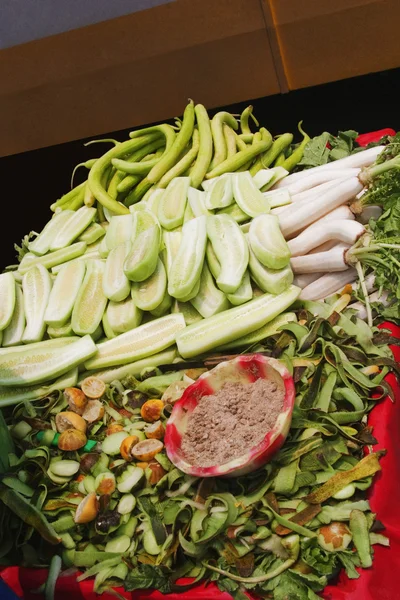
204, 156
183, 164
230, 140
247, 138
102, 141
96, 173
240, 143
297, 154
256, 138
140, 168
267, 158
78, 201
220, 150
66, 199
235, 162
88, 164
88, 198
244, 119
280, 160
138, 192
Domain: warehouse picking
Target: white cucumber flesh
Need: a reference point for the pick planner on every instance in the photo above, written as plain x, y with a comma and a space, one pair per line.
116, 285
212, 260
189, 214
278, 197
142, 220
244, 293
38, 364
141, 261
73, 227
220, 193
90, 302
145, 340
84, 257
123, 316
104, 250
271, 328
197, 201
171, 208
166, 357
186, 267
190, 314
234, 323
64, 293
14, 395
92, 234
163, 308
267, 242
42, 243
36, 287
210, 300
60, 332
49, 344
118, 232
235, 212
7, 298
263, 177
53, 258
109, 332
149, 294
153, 201
12, 335
193, 292
248, 196
231, 249
270, 280
171, 240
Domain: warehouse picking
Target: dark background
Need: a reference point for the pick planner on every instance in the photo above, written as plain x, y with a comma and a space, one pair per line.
33, 180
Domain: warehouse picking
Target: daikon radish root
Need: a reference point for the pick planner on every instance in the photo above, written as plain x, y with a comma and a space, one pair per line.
319, 233
316, 179
328, 284
304, 279
332, 260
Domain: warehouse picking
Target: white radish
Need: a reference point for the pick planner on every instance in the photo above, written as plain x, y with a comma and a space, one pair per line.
324, 247
341, 212
328, 284
306, 214
359, 160
319, 233
316, 179
332, 260
304, 279
359, 307
313, 192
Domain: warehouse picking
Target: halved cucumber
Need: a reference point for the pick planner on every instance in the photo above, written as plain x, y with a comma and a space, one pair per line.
7, 299
143, 341
14, 331
210, 300
163, 308
235, 212
14, 395
52, 258
269, 280
244, 293
196, 199
231, 250
186, 267
123, 316
60, 332
118, 232
141, 261
36, 286
92, 234
91, 301
149, 294
248, 196
271, 328
64, 293
220, 193
116, 285
73, 227
190, 314
42, 243
171, 208
172, 240
267, 242
278, 197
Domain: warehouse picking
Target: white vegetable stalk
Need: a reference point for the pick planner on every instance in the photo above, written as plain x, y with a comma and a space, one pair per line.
320, 233
313, 192
342, 212
304, 279
360, 308
369, 284
324, 247
298, 218
358, 160
328, 284
316, 179
333, 260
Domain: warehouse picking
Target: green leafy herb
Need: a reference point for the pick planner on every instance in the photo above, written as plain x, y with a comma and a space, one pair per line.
326, 148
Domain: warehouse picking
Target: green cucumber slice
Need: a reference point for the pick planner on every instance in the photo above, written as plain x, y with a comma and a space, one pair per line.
248, 196
104, 250
269, 280
278, 197
171, 240
123, 316
42, 243
163, 308
171, 208
197, 201
186, 267
234, 323
244, 293
271, 328
189, 214
149, 294
64, 293
267, 242
15, 395
220, 193
36, 286
235, 212
210, 300
90, 301
145, 340
73, 227
38, 364
92, 234
52, 258
193, 292
60, 332
231, 250
116, 285
118, 232
141, 261
14, 331
7, 299
110, 333
190, 314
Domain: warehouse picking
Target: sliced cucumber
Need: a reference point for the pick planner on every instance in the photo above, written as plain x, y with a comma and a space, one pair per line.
110, 333
52, 258
36, 286
149, 294
171, 208
73, 227
104, 250
189, 214
60, 332
235, 212
14, 331
163, 308
269, 280
210, 300
15, 395
186, 267
86, 256
116, 285
141, 261
278, 197
142, 220
190, 314
172, 240
42, 243
248, 196
267, 242
233, 323
220, 193
7, 298
193, 292
153, 201
118, 232
64, 293
197, 201
263, 177
138, 343
92, 234
123, 316
37, 363
212, 260
91, 301
231, 250
271, 328
244, 293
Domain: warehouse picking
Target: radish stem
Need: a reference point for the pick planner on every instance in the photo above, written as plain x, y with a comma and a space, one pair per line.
360, 273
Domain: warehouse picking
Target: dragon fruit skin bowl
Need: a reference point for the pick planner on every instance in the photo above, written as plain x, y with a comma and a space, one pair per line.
242, 369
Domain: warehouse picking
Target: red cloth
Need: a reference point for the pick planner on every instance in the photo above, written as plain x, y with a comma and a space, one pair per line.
377, 583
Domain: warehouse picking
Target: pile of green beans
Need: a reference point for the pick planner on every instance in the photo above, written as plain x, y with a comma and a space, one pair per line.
197, 146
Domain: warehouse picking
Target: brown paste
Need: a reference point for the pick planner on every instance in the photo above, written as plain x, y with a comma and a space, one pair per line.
227, 424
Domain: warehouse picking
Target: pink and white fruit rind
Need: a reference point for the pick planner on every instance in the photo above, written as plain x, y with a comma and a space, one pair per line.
243, 369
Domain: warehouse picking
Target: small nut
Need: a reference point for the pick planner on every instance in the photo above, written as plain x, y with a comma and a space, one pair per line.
87, 509
147, 449
155, 430
94, 411
70, 420
71, 439
76, 399
114, 428
126, 447
105, 483
93, 387
151, 410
